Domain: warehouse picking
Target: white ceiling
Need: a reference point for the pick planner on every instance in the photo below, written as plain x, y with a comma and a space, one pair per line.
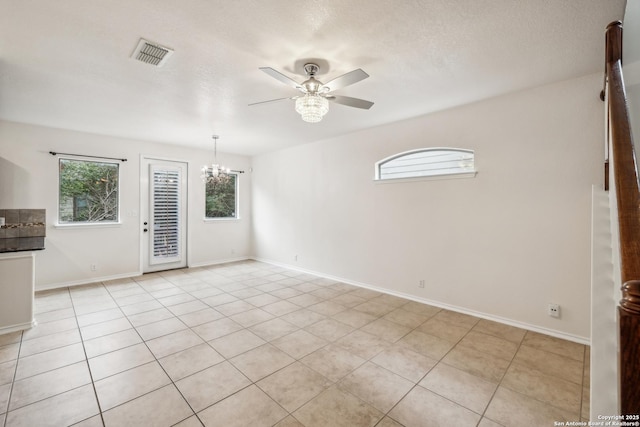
67, 63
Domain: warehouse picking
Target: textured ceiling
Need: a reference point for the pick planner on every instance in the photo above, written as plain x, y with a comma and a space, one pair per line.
67, 63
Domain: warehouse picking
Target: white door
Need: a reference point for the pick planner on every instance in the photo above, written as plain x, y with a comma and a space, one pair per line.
164, 212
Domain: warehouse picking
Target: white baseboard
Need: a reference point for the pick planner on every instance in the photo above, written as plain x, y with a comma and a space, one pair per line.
217, 262
487, 316
18, 327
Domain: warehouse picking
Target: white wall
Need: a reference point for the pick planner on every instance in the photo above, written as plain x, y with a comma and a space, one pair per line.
28, 179
503, 244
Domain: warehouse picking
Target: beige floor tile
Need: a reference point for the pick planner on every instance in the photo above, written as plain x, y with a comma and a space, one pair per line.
551, 364
500, 330
112, 342
305, 300
299, 343
348, 300
128, 385
354, 318
273, 329
327, 308
329, 329
406, 318
444, 330
140, 307
50, 316
327, 293
95, 421
460, 387
457, 319
192, 421
261, 361
337, 408
405, 362
249, 407
166, 292
262, 299
236, 343
95, 307
377, 386
280, 308
385, 329
48, 342
530, 412
235, 307
63, 409
7, 371
48, 328
554, 345
49, 360
163, 407
10, 338
251, 317
120, 360
5, 392
200, 317
420, 308
178, 299
294, 385
374, 308
151, 316
285, 293
423, 408
363, 344
426, 344
99, 317
488, 344
480, 364
486, 422
190, 361
158, 329
9, 352
216, 329
219, 300
549, 389
333, 362
303, 317
365, 293
42, 386
105, 328
287, 422
173, 343
211, 385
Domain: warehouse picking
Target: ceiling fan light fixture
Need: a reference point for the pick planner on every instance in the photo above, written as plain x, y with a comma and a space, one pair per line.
312, 107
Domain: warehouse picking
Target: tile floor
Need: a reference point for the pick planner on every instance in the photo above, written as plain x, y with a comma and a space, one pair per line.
251, 344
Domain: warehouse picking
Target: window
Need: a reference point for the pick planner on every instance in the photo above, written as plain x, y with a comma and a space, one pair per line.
88, 192
221, 195
426, 162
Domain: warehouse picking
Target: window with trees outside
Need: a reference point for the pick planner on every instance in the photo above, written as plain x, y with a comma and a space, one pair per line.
88, 192
427, 162
222, 196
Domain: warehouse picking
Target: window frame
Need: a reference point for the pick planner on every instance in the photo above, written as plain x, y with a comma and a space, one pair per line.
88, 224
438, 176
237, 202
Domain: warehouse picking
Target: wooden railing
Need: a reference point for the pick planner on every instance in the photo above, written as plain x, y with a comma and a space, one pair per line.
627, 193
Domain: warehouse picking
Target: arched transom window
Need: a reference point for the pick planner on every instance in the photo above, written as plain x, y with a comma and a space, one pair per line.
426, 162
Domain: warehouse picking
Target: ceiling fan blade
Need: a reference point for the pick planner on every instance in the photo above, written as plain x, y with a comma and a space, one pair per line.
346, 79
279, 76
271, 100
351, 102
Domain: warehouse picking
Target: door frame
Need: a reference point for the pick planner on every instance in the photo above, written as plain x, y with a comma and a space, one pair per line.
144, 189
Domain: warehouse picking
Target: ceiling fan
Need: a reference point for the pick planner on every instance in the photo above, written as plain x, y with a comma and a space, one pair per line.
313, 104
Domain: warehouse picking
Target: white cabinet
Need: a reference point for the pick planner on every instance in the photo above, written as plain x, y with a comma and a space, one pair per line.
17, 271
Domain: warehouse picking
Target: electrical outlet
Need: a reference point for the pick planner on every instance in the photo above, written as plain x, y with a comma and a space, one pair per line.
553, 310
421, 283
93, 267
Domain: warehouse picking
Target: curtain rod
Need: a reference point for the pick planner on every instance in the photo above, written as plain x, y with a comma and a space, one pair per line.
53, 153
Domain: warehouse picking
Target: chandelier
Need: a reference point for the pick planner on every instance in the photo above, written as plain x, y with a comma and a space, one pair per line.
312, 107
214, 173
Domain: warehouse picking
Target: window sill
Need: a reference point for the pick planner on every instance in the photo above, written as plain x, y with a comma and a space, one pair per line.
216, 220
464, 175
88, 225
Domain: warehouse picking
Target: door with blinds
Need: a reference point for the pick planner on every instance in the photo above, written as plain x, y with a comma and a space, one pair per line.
164, 199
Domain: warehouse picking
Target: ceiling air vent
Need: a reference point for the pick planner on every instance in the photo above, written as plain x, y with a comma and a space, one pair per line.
151, 53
